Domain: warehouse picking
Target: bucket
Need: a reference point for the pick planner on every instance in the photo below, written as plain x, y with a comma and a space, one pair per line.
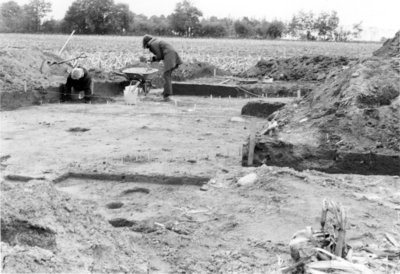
131, 94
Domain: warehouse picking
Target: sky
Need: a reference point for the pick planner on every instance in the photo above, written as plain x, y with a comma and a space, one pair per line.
379, 17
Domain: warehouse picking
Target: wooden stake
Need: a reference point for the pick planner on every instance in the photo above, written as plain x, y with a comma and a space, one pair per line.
252, 144
341, 241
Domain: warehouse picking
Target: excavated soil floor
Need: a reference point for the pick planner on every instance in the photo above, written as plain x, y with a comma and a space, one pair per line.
137, 204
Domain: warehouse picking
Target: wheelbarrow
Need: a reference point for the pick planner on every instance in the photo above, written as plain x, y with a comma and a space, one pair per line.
140, 77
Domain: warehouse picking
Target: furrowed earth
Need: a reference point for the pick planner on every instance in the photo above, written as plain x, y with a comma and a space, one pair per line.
156, 187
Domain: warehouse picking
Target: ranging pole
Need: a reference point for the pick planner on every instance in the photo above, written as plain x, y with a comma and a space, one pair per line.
69, 38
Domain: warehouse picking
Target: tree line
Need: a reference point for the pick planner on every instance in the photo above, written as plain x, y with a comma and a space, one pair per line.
108, 17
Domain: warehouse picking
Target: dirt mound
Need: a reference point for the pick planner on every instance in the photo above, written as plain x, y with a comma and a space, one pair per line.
20, 70
24, 77
391, 48
47, 231
362, 107
358, 112
304, 68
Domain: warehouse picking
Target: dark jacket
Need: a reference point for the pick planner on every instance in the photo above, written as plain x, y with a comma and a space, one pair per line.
164, 51
82, 84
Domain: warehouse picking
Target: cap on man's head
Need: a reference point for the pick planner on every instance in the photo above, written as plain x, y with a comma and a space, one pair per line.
77, 73
146, 40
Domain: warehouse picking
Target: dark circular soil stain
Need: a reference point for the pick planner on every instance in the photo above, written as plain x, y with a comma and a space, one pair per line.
114, 205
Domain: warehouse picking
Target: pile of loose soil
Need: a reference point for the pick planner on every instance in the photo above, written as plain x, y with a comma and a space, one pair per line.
20, 70
349, 124
391, 48
359, 110
21, 80
45, 231
304, 68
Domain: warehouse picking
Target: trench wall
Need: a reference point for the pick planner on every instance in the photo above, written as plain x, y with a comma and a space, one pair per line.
273, 152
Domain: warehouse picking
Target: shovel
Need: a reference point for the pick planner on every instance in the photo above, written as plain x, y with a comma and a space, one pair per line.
46, 64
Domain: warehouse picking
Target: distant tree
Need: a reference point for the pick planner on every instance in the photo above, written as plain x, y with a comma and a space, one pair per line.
119, 19
185, 19
357, 29
241, 29
293, 26
75, 18
326, 24
160, 25
262, 29
52, 26
245, 27
35, 11
309, 26
10, 14
141, 25
275, 29
213, 28
342, 35
98, 17
302, 25
228, 24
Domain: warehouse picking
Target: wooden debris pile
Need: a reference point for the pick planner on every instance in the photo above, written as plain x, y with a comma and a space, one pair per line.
326, 250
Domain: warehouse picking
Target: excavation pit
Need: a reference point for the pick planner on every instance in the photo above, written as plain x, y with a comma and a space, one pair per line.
176, 208
136, 201
24, 233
